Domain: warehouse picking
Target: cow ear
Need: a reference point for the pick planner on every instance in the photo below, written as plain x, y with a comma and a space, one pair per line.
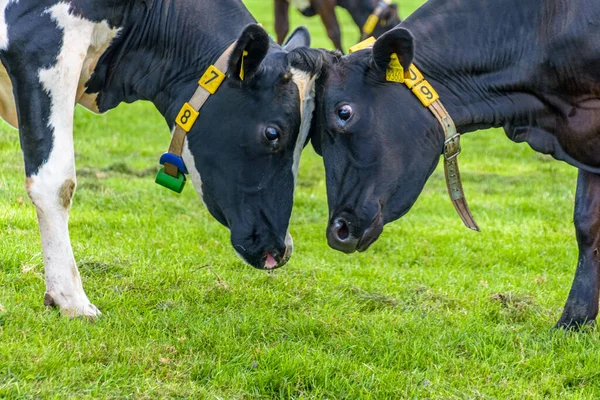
249, 51
399, 41
299, 38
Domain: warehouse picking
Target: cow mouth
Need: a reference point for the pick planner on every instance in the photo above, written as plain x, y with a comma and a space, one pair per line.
371, 234
273, 260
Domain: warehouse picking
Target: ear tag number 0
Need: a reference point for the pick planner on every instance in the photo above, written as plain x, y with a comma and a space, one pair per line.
368, 42
394, 72
242, 72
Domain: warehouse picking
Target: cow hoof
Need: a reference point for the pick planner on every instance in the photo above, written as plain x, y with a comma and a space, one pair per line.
574, 324
71, 308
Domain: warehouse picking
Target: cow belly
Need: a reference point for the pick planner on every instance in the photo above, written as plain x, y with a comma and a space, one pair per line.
8, 111
101, 39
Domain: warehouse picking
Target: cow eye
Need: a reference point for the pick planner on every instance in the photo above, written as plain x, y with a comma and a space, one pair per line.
344, 112
272, 134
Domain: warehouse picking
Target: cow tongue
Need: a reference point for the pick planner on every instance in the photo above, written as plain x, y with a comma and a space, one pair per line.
270, 262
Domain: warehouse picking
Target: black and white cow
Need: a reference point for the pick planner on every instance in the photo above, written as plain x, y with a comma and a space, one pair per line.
242, 153
532, 67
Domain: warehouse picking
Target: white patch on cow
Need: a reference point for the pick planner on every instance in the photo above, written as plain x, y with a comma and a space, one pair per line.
51, 188
193, 172
3, 27
306, 88
8, 110
102, 36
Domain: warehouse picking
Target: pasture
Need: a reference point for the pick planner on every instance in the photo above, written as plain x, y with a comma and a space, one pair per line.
432, 310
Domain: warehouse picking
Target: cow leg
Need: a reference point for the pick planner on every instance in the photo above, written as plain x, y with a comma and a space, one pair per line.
327, 14
282, 20
45, 87
582, 304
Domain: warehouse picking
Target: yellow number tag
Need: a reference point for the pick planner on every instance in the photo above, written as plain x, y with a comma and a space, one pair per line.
362, 45
186, 117
212, 79
415, 77
394, 72
426, 94
370, 24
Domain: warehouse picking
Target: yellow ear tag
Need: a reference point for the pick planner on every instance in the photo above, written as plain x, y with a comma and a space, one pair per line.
362, 45
244, 54
394, 72
370, 24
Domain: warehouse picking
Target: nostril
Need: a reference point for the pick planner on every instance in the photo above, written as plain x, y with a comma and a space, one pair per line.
341, 229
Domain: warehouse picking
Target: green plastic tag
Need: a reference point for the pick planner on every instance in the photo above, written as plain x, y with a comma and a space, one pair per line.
166, 180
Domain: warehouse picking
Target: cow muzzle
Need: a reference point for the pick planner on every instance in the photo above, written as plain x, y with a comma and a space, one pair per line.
268, 257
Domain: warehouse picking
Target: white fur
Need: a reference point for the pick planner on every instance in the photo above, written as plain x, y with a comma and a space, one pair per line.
193, 172
61, 81
102, 36
3, 28
306, 88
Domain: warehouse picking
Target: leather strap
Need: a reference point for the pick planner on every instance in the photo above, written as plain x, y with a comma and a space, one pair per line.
427, 95
207, 85
451, 171
373, 19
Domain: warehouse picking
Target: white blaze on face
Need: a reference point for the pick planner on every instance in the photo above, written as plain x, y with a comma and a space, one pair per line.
306, 89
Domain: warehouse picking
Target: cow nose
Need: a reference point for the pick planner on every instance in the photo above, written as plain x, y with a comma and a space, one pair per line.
339, 236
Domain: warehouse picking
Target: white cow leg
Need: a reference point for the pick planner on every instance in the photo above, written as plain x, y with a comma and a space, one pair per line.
46, 101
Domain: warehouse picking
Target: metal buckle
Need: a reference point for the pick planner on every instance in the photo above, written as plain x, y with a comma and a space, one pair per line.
451, 156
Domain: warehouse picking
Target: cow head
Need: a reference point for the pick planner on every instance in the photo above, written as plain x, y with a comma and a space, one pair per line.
244, 149
379, 144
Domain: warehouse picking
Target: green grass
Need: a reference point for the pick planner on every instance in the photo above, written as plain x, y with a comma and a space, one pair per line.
432, 310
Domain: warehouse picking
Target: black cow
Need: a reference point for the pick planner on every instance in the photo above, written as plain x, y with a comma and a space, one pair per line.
532, 67
242, 152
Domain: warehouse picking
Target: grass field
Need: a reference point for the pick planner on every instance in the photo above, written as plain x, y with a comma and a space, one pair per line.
432, 310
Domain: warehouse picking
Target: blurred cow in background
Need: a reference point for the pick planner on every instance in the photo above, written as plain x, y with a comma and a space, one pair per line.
373, 17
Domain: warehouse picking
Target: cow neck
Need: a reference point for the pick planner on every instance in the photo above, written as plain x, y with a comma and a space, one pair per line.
172, 175
482, 78
161, 51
